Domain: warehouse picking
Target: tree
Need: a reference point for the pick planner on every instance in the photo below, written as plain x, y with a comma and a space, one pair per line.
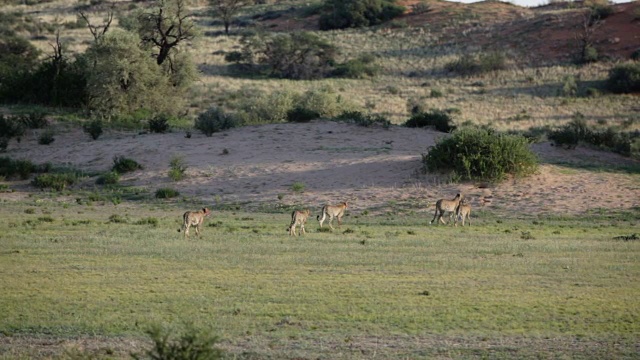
227, 9
165, 27
123, 78
298, 55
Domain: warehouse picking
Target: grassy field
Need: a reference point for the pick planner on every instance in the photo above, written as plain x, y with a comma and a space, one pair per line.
379, 287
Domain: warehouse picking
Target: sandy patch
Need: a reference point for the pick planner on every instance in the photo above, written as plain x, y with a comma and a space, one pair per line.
375, 169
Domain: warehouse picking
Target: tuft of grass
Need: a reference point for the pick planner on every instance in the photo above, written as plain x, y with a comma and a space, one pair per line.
123, 165
166, 193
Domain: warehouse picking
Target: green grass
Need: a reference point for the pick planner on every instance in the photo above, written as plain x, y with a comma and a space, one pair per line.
377, 280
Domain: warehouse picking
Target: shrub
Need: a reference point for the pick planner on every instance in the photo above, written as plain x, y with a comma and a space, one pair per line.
11, 127
93, 128
177, 168
159, 124
123, 165
297, 187
440, 120
468, 64
576, 131
35, 120
301, 114
190, 344
636, 54
482, 154
108, 178
166, 193
214, 120
11, 168
569, 86
46, 138
365, 120
296, 55
117, 219
624, 78
148, 221
323, 101
359, 68
55, 181
342, 14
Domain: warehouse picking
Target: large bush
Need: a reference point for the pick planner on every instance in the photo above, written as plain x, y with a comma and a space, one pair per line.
624, 78
215, 120
439, 120
342, 14
482, 154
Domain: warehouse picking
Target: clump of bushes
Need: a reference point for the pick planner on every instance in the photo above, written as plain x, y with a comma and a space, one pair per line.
108, 178
342, 14
576, 131
481, 154
468, 65
57, 181
215, 120
359, 68
10, 127
159, 124
93, 128
624, 78
438, 119
365, 120
10, 168
123, 165
188, 344
301, 114
166, 193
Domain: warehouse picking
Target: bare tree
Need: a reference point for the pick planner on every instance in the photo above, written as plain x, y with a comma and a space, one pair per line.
166, 27
98, 30
589, 25
227, 9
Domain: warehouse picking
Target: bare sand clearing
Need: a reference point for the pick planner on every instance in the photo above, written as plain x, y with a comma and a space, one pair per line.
375, 169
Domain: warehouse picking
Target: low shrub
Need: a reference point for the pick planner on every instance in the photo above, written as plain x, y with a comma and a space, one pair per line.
481, 154
301, 115
214, 120
11, 127
159, 124
117, 219
148, 221
35, 120
468, 64
46, 138
123, 165
188, 344
166, 193
177, 168
365, 120
359, 68
93, 128
576, 131
55, 181
438, 119
10, 168
108, 178
624, 78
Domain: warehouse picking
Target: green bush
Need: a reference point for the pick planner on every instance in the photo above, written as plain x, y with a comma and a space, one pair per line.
148, 221
108, 178
54, 181
440, 120
215, 120
35, 120
166, 193
342, 14
624, 78
46, 138
11, 127
159, 124
365, 120
480, 154
188, 344
123, 165
93, 128
177, 168
301, 115
576, 131
10, 168
359, 68
468, 65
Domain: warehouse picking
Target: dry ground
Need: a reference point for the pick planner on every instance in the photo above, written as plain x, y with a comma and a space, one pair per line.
375, 169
